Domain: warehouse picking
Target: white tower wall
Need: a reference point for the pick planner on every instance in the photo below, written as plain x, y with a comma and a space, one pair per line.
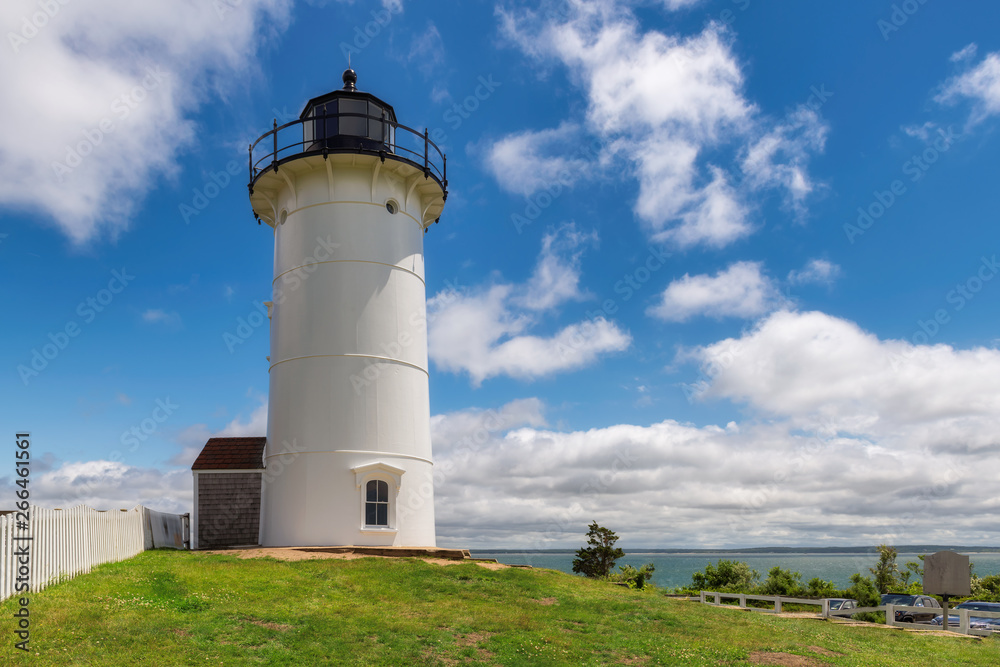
348, 397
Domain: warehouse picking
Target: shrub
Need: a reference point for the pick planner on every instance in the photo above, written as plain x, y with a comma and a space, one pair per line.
635, 578
726, 577
782, 582
863, 590
818, 588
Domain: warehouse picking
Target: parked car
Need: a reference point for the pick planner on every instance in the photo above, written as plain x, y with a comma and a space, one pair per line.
841, 604
978, 622
901, 599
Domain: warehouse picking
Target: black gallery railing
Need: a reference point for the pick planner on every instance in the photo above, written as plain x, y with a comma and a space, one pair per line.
347, 133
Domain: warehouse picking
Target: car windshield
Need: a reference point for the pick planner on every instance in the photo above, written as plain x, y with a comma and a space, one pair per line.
979, 606
895, 598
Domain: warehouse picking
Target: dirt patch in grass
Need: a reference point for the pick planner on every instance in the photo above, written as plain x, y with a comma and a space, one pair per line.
823, 651
546, 601
474, 639
782, 659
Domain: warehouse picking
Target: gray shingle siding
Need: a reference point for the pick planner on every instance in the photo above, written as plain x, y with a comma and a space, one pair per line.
228, 509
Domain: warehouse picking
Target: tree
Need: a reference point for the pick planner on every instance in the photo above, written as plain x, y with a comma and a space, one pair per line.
599, 558
887, 576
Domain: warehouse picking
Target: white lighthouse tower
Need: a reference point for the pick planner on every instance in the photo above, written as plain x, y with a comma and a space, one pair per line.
349, 193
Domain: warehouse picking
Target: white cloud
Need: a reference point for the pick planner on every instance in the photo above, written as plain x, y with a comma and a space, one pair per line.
159, 316
779, 158
255, 426
922, 132
485, 331
104, 94
673, 484
968, 53
526, 162
192, 439
812, 368
674, 5
738, 291
815, 271
556, 278
427, 49
661, 102
848, 439
112, 485
980, 84
394, 6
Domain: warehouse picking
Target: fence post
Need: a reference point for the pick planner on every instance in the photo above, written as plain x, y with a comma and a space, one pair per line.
777, 604
743, 600
890, 614
963, 621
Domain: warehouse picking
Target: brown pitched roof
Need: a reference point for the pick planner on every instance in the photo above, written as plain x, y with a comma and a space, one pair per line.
231, 454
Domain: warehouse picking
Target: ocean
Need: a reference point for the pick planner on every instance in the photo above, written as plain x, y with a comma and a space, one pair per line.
673, 570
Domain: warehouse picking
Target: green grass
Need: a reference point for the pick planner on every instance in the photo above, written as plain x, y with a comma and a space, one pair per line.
181, 608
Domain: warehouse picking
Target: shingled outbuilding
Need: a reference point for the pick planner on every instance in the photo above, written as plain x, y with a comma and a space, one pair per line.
227, 485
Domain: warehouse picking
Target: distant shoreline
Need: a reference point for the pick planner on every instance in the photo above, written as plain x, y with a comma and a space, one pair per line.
752, 551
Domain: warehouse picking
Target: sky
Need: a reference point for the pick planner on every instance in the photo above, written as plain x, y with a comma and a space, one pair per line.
713, 273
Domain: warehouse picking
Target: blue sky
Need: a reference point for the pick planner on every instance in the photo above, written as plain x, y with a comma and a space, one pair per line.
712, 272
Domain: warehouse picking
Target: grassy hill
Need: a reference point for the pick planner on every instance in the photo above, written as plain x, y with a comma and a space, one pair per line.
182, 608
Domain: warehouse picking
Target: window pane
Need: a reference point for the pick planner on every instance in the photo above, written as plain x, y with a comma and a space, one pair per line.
371, 491
383, 492
354, 125
383, 514
307, 130
370, 514
375, 127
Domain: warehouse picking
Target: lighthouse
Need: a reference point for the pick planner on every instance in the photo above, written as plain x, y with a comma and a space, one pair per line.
348, 192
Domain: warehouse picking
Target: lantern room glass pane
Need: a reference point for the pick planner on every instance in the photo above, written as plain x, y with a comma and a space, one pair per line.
356, 126
376, 126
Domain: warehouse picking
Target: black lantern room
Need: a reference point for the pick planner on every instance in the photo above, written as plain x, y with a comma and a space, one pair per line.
348, 118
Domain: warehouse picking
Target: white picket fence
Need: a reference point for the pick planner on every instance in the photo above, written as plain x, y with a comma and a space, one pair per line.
64, 543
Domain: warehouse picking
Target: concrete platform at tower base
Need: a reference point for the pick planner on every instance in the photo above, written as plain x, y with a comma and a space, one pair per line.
390, 552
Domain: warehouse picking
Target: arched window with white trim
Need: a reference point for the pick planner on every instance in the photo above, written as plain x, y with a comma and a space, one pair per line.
378, 486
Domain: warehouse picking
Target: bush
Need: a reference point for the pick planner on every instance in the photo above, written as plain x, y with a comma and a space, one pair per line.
635, 578
782, 582
987, 588
818, 588
863, 590
727, 577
